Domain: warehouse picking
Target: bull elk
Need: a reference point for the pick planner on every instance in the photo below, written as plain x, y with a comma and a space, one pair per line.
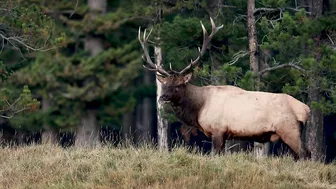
229, 112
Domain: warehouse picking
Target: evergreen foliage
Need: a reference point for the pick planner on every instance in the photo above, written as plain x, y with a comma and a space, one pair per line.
111, 81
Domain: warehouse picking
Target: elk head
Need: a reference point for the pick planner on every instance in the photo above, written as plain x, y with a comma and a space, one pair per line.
174, 82
173, 87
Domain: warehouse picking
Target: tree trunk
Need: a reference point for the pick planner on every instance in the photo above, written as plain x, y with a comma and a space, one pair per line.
49, 135
127, 123
253, 43
144, 115
87, 134
162, 124
261, 150
97, 5
213, 11
147, 112
315, 131
138, 123
315, 7
93, 45
20, 138
315, 126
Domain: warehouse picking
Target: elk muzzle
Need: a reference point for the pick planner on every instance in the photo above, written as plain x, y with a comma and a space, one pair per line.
164, 98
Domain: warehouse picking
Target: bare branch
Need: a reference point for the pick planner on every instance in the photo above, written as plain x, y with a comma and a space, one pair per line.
11, 109
74, 9
19, 40
278, 19
332, 42
237, 56
266, 9
3, 9
16, 112
330, 13
50, 12
297, 10
7, 102
8, 36
10, 106
291, 64
228, 6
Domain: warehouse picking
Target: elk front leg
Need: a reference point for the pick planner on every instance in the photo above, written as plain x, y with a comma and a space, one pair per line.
218, 143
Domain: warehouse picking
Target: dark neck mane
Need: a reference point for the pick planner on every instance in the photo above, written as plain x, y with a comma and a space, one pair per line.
187, 110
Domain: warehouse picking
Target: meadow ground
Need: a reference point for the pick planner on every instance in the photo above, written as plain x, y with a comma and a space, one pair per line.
44, 166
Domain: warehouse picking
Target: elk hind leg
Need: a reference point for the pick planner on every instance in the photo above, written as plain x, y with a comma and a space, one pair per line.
218, 143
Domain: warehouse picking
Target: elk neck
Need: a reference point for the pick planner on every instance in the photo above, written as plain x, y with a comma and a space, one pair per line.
188, 108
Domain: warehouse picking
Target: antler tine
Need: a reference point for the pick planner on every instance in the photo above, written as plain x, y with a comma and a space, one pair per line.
150, 69
150, 32
146, 57
171, 69
206, 40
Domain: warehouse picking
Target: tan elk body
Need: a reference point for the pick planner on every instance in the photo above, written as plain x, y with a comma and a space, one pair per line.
224, 112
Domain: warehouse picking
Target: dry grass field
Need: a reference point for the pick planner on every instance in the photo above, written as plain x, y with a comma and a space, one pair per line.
41, 166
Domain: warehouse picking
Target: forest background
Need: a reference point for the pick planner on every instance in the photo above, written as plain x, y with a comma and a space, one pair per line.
72, 70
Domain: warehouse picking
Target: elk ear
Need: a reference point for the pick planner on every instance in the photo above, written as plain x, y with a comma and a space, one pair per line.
161, 79
187, 78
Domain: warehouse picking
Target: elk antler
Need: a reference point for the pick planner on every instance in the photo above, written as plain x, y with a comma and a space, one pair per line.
146, 57
206, 40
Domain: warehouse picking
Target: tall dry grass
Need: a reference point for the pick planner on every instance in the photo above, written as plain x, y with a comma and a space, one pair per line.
54, 167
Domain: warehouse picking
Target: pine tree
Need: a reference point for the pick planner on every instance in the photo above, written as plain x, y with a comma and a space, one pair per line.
24, 30
73, 80
292, 38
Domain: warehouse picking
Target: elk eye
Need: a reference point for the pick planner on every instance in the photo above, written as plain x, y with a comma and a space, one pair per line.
176, 89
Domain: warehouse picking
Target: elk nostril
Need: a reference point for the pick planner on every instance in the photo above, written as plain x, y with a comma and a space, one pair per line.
164, 97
